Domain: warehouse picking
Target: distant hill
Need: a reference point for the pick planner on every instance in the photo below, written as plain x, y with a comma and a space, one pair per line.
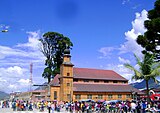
142, 85
3, 95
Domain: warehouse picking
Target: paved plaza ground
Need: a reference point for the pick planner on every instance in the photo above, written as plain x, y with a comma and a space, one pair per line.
9, 110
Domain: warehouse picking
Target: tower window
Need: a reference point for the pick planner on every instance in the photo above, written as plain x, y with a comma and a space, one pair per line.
69, 97
68, 74
68, 84
55, 95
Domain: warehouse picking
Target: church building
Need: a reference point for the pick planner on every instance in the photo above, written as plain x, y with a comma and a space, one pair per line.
73, 84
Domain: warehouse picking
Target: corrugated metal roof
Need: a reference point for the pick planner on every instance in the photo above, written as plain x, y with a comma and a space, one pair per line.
86, 73
102, 87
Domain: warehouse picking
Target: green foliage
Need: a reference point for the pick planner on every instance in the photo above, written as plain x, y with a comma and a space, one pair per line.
151, 37
148, 69
52, 46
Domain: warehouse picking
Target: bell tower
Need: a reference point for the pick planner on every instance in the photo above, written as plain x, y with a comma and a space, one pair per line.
66, 77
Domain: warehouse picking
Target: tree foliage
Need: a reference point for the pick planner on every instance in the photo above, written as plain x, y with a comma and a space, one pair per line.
151, 38
148, 69
52, 46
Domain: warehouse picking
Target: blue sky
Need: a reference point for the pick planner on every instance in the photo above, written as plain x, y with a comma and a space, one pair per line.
103, 33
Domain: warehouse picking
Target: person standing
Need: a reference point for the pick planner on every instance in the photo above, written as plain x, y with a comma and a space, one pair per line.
52, 107
144, 106
14, 106
138, 108
133, 107
49, 107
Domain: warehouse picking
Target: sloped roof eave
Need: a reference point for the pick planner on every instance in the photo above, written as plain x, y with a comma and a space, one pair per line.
91, 78
81, 87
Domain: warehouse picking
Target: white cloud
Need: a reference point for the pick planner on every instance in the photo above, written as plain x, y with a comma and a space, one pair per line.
9, 77
20, 85
3, 84
33, 40
2, 80
3, 26
122, 60
13, 87
24, 82
125, 1
7, 51
14, 63
123, 71
12, 82
14, 71
106, 50
120, 69
136, 6
29, 50
137, 29
130, 46
138, 23
18, 70
32, 48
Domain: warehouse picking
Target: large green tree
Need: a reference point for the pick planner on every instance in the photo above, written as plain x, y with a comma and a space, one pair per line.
151, 38
148, 69
52, 46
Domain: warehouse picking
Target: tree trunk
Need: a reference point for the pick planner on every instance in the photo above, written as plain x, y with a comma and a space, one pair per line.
147, 91
49, 79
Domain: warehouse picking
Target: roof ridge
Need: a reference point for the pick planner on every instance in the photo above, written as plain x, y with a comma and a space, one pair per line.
99, 83
93, 69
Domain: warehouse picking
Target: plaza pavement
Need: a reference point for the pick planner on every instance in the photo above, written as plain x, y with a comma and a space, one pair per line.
9, 110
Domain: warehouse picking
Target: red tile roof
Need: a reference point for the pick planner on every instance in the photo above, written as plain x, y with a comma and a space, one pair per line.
102, 87
55, 81
94, 74
86, 73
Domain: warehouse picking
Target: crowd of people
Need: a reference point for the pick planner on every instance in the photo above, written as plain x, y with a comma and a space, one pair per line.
20, 105
140, 106
113, 107
5, 104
